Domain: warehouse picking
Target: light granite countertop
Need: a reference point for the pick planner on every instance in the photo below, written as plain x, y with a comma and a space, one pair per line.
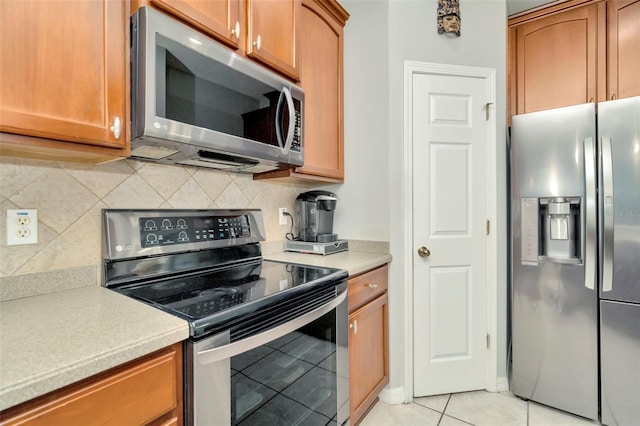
51, 340
355, 262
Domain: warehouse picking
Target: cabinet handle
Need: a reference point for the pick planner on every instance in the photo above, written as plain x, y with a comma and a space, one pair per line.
258, 42
613, 97
591, 100
236, 30
354, 326
116, 127
371, 285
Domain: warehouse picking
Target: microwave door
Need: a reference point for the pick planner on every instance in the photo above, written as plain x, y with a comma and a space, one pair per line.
190, 89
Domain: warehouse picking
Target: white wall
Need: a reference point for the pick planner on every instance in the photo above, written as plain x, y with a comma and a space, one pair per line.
363, 210
379, 37
413, 36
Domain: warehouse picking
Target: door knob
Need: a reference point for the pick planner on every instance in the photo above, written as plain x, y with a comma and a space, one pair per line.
423, 252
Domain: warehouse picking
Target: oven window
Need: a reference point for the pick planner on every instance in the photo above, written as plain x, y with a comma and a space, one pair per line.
291, 380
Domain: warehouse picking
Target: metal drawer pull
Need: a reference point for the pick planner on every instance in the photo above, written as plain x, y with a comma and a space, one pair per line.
370, 285
236, 30
354, 326
116, 128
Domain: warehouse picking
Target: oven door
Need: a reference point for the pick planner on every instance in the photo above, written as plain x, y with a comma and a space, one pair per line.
294, 373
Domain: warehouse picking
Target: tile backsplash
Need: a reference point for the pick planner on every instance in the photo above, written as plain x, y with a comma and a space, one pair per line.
69, 198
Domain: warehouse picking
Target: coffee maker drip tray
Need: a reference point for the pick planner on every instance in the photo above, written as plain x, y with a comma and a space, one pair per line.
316, 247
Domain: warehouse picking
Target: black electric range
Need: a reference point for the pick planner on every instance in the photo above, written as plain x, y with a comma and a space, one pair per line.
205, 266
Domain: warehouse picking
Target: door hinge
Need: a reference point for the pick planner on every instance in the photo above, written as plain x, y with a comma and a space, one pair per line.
486, 111
488, 227
488, 341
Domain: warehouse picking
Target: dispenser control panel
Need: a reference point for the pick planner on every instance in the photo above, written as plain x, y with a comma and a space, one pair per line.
529, 221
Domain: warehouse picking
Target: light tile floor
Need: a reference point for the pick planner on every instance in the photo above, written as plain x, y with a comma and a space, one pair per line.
478, 408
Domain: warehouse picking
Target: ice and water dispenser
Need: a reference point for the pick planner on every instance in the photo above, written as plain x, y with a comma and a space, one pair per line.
551, 230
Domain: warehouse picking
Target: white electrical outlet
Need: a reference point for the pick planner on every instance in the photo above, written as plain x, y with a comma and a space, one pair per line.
22, 226
282, 217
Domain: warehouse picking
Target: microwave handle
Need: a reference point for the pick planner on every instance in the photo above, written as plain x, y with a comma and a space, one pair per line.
286, 144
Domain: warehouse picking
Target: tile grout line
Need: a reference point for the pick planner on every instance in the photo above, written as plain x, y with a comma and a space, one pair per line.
444, 409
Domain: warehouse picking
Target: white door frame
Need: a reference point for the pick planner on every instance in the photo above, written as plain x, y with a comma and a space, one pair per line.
489, 75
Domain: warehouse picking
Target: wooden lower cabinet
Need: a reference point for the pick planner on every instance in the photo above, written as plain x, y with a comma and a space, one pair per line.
147, 391
368, 340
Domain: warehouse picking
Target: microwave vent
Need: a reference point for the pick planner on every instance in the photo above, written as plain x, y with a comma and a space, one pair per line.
152, 152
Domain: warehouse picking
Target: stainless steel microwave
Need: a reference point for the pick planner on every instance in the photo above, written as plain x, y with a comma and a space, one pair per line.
197, 103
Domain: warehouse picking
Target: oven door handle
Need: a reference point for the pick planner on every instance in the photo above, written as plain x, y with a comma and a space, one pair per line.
209, 356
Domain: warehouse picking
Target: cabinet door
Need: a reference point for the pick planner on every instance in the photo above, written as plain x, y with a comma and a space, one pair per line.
272, 36
219, 18
624, 48
321, 78
64, 70
145, 391
321, 71
556, 59
368, 356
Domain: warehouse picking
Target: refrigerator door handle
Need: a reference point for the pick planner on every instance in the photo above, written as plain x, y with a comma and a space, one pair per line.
590, 230
607, 216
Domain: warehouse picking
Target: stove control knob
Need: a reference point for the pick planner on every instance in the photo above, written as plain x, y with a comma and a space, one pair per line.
150, 225
182, 236
181, 223
166, 224
152, 238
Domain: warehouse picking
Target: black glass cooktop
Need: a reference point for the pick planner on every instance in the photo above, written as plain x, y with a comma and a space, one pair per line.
220, 299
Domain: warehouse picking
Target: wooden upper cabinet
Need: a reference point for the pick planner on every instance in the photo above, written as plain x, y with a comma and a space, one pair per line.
573, 52
558, 60
219, 18
264, 30
272, 34
63, 75
624, 48
321, 78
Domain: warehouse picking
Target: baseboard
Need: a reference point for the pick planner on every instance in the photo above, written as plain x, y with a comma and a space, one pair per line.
502, 384
392, 395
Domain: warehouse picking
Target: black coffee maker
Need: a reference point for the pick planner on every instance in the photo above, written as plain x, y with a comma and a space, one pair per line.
315, 216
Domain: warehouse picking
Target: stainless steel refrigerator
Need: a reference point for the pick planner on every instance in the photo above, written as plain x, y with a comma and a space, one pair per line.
575, 259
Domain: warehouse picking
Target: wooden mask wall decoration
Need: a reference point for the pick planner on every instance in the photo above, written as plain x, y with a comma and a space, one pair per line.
449, 17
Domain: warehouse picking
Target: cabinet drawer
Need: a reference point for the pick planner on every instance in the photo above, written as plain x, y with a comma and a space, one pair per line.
136, 394
366, 287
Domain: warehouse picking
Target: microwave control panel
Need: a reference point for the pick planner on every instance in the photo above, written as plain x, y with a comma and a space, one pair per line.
297, 130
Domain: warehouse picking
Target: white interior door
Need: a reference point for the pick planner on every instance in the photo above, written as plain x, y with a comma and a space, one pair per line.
449, 141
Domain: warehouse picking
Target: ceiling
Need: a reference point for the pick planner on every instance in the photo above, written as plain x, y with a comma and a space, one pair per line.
516, 6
